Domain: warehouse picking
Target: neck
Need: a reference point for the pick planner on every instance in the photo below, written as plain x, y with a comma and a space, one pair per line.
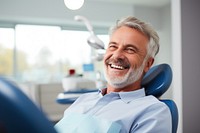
131, 87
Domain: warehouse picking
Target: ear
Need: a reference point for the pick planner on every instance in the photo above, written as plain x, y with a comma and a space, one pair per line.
149, 63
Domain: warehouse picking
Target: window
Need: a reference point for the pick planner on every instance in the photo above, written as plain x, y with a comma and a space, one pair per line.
43, 54
37, 58
6, 51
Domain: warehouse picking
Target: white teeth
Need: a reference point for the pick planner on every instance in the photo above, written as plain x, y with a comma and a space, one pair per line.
117, 67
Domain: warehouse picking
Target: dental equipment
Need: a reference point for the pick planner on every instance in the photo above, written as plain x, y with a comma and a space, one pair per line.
92, 40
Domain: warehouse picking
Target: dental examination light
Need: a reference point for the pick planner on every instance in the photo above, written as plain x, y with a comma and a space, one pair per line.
74, 4
92, 40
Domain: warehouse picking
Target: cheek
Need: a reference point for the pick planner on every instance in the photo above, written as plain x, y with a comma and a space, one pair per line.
135, 62
107, 55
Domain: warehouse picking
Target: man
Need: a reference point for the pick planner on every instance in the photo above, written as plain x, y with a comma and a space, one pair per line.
122, 107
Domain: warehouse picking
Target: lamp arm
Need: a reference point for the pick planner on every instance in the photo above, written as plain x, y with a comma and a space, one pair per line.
86, 21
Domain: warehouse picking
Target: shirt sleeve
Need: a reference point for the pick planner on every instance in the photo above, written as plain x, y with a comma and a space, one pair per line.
154, 119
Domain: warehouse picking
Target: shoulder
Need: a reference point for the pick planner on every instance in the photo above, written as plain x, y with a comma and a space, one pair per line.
148, 101
154, 104
152, 100
149, 107
155, 116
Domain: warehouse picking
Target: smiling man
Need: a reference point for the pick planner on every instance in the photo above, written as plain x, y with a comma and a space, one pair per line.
122, 107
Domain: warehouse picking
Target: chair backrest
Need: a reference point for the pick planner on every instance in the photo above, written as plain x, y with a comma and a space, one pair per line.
156, 82
18, 114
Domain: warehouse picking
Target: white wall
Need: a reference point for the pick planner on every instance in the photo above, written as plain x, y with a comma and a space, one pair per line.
190, 19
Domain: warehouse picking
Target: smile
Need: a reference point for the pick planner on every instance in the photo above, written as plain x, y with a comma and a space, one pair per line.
117, 67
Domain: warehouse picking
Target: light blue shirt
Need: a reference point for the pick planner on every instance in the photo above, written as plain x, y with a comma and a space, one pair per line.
117, 112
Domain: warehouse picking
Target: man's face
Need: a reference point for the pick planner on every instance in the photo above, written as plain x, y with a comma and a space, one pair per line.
124, 59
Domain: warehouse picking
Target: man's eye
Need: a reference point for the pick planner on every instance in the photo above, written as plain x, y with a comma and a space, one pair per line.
112, 47
131, 50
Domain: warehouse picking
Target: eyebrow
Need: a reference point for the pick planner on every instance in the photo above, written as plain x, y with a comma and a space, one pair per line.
126, 45
112, 43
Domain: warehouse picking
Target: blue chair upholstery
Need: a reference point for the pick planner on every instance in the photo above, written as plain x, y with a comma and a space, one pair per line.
18, 114
156, 82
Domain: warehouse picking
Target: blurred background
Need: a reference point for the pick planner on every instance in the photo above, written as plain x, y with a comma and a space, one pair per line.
40, 42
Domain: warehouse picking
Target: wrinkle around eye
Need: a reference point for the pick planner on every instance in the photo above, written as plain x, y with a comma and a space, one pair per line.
112, 46
131, 50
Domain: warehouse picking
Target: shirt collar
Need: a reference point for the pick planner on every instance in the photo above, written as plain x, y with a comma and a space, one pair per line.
127, 96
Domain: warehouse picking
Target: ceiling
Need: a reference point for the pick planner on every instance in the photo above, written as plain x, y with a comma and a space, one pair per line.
156, 3
55, 13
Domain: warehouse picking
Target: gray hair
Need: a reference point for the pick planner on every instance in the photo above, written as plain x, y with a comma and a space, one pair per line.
147, 29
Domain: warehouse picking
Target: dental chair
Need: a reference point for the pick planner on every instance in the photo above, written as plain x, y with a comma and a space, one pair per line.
18, 114
156, 82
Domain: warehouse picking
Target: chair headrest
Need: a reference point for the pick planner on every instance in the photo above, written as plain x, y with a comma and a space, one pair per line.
157, 80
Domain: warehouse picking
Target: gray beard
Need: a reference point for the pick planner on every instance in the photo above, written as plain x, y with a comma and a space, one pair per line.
132, 76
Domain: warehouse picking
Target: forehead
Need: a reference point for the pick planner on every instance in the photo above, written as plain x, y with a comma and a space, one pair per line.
129, 35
